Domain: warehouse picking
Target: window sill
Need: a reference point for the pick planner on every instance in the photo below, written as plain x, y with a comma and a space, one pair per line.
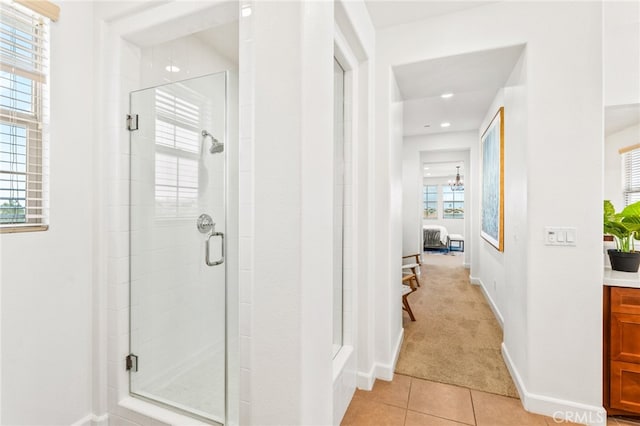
26, 228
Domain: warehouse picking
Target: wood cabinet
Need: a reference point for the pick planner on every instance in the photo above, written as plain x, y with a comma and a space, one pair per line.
622, 350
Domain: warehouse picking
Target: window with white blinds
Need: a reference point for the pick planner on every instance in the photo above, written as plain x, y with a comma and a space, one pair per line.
178, 149
24, 69
631, 160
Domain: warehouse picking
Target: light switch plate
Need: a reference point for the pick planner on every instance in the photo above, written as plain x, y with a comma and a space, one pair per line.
559, 236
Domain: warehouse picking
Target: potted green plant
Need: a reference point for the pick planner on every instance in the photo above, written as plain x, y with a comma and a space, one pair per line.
624, 227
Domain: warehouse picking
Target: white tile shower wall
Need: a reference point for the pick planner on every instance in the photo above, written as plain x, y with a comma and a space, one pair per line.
124, 73
189, 54
246, 204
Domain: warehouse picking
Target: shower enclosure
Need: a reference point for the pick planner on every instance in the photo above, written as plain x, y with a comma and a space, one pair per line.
177, 246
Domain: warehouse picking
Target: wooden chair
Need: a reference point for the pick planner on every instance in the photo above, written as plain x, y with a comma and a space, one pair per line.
409, 285
414, 267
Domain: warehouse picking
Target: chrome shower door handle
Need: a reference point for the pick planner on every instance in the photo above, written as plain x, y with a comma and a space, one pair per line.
207, 249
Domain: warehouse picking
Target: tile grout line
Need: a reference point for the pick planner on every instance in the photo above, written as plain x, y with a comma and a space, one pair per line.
473, 408
430, 414
440, 417
406, 411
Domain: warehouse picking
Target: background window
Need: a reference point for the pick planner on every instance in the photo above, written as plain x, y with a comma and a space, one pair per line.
178, 149
23, 109
452, 203
631, 160
430, 201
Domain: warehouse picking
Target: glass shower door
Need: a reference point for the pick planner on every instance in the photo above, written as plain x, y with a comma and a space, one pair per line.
177, 267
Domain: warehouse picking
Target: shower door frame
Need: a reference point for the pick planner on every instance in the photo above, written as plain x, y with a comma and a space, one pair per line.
203, 151
118, 73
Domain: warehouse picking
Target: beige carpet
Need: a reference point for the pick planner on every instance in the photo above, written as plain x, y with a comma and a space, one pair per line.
455, 338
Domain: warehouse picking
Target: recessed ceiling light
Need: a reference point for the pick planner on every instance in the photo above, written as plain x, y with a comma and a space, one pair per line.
428, 174
426, 168
446, 95
246, 11
172, 68
445, 124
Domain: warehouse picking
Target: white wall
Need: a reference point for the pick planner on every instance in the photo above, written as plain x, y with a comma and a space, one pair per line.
564, 87
503, 275
411, 202
289, 251
46, 277
613, 167
621, 52
388, 225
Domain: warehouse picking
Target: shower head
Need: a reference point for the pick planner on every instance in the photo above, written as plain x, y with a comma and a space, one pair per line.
216, 146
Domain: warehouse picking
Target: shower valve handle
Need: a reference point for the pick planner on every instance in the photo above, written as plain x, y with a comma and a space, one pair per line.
207, 249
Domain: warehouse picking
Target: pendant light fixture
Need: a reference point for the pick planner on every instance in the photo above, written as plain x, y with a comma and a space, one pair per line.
457, 185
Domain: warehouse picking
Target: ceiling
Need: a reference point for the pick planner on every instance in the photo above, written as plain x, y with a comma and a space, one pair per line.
386, 13
473, 78
448, 169
620, 117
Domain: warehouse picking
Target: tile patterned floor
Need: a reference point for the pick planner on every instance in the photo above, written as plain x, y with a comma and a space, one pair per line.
409, 401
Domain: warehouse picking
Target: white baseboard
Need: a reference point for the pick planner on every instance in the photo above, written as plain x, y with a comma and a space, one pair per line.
92, 420
85, 421
385, 371
102, 420
344, 382
365, 381
492, 304
517, 379
558, 409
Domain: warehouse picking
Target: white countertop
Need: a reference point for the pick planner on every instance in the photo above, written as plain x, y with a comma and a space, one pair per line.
621, 279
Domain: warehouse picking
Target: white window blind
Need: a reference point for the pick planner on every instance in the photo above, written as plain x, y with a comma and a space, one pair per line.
178, 148
24, 69
631, 160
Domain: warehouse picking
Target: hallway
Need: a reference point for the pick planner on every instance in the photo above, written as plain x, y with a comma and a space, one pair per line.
450, 371
455, 338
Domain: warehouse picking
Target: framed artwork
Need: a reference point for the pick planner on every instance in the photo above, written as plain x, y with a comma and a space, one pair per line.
492, 148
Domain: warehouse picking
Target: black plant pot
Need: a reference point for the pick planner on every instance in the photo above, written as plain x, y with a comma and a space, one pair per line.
624, 261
